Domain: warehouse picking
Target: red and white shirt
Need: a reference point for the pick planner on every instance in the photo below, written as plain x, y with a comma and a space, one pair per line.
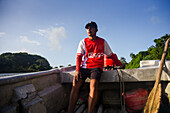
90, 54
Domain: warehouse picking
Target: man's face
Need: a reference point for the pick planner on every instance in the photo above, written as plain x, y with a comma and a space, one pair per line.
91, 31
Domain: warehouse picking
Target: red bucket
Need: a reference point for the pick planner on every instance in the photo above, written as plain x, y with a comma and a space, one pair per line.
135, 100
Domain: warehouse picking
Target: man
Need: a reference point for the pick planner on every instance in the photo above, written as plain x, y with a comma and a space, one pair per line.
89, 63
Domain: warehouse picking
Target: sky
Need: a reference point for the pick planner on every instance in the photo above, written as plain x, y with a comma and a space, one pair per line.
54, 28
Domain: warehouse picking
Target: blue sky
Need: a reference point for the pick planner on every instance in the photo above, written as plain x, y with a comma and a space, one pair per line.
53, 28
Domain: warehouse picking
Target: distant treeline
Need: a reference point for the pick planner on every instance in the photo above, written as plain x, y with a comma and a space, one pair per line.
153, 53
22, 62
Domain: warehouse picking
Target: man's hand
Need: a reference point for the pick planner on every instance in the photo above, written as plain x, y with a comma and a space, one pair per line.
75, 79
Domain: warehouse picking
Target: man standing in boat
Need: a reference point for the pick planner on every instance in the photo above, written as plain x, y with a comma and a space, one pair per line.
89, 63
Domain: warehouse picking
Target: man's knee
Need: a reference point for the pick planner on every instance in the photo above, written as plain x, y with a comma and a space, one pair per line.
77, 85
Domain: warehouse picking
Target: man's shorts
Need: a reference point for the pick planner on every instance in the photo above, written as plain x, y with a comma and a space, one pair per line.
92, 73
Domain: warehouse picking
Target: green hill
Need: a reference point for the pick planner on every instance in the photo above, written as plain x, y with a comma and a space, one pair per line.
22, 62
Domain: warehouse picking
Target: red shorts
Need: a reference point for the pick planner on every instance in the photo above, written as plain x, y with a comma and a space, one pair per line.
92, 73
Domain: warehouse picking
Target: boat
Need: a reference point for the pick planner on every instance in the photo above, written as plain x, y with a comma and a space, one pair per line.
48, 91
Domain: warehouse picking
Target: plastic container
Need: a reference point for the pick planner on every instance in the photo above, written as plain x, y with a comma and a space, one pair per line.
135, 100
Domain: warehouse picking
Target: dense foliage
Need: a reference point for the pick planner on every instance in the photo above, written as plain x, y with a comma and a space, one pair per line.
22, 62
153, 53
123, 61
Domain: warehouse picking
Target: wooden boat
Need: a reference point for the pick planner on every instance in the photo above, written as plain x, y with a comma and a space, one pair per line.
48, 91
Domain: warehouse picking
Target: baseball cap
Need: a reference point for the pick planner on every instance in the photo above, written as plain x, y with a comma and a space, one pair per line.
92, 24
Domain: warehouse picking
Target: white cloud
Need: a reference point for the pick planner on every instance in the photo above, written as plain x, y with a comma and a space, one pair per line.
155, 20
25, 39
41, 32
54, 35
150, 9
2, 34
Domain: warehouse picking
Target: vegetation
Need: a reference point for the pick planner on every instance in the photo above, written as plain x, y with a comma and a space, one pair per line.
123, 61
153, 53
22, 62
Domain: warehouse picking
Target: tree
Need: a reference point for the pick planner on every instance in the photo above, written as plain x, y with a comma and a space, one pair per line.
153, 53
123, 61
61, 66
132, 55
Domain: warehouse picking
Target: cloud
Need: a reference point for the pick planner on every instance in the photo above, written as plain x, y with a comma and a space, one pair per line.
2, 34
25, 39
155, 20
150, 9
54, 35
41, 32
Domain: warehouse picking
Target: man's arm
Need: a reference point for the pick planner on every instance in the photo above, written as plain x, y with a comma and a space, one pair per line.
78, 62
115, 59
80, 53
111, 55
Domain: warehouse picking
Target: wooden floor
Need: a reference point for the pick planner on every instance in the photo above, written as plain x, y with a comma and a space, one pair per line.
100, 109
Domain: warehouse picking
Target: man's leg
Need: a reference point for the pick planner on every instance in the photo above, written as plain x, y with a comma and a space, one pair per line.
92, 95
74, 95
